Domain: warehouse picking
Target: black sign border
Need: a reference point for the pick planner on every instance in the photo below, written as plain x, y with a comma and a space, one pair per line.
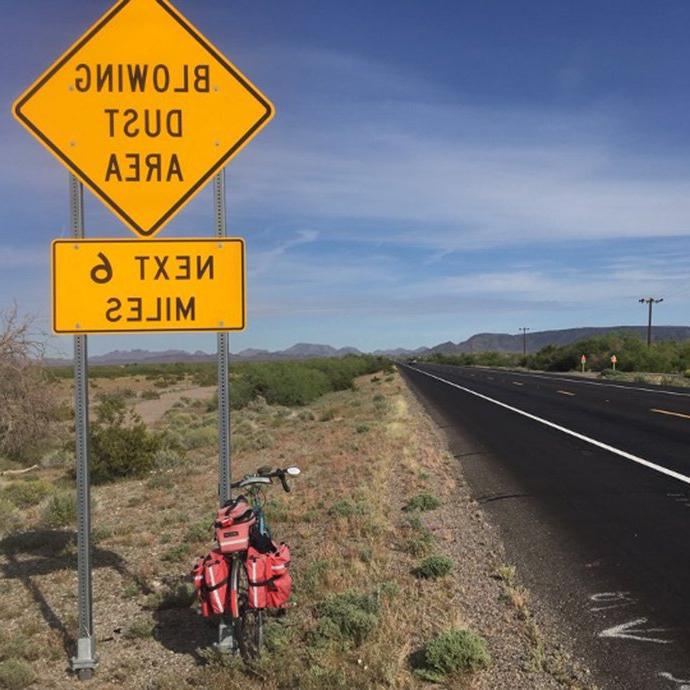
215, 240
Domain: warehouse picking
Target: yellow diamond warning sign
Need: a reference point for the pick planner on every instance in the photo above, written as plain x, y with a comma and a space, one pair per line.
144, 110
120, 286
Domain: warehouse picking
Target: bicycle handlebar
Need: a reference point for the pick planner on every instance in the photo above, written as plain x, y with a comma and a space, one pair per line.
262, 473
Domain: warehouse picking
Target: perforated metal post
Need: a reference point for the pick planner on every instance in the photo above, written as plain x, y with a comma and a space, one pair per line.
226, 642
85, 660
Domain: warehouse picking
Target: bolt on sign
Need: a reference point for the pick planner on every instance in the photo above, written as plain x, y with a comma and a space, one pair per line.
143, 110
119, 286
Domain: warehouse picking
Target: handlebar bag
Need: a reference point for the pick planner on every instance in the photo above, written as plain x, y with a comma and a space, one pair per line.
232, 525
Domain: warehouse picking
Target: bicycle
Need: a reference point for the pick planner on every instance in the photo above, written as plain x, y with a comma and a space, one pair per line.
247, 621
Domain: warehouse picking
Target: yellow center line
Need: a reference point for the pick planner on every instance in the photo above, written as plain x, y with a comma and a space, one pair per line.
565, 392
672, 414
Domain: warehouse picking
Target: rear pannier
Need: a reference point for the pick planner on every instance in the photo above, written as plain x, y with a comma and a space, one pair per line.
270, 583
233, 523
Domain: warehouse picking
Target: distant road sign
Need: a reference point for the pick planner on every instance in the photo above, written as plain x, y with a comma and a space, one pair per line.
117, 286
144, 110
614, 359
583, 359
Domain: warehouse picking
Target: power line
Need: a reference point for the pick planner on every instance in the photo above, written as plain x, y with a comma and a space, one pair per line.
651, 301
524, 340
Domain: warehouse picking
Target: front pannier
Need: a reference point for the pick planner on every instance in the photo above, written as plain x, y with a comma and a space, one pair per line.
210, 576
233, 523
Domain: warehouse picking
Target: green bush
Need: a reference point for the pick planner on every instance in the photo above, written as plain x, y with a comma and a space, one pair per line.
10, 518
348, 617
433, 567
121, 446
16, 674
27, 493
345, 508
61, 510
452, 652
422, 501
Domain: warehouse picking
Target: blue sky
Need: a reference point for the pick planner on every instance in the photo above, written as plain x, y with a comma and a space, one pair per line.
434, 169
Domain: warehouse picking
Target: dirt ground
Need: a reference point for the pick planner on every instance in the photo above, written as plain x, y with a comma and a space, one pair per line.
364, 455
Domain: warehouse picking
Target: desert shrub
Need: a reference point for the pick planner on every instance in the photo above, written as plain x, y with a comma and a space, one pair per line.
27, 493
61, 510
16, 674
10, 518
345, 508
28, 404
348, 617
140, 629
451, 652
121, 446
434, 566
422, 501
150, 394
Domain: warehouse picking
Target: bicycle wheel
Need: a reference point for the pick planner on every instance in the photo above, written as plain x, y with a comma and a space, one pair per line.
249, 624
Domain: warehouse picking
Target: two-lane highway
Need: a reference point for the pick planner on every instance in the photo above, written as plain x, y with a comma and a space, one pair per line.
590, 484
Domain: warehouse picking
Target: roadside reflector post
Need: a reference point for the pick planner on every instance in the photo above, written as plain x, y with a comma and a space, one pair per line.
226, 643
85, 660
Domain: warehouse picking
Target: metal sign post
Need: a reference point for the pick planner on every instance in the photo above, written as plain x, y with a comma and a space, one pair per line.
85, 661
226, 642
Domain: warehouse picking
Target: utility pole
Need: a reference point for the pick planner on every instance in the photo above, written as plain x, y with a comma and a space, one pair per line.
650, 301
524, 340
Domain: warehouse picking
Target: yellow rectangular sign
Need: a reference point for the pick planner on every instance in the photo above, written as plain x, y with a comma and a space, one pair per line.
124, 286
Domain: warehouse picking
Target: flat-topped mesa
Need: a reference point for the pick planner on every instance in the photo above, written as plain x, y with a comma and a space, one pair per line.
139, 78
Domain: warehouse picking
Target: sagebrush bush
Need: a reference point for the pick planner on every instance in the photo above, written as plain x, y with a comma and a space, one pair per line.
451, 652
348, 617
16, 674
10, 518
27, 493
121, 446
61, 510
422, 501
434, 566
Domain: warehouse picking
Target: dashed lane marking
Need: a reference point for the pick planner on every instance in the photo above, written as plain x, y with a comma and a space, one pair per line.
671, 414
565, 393
603, 385
617, 451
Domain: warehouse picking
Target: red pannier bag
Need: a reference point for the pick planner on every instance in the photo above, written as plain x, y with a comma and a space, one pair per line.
270, 583
232, 524
211, 575
280, 587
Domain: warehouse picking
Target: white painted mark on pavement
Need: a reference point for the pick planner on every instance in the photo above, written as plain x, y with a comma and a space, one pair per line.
628, 631
565, 392
611, 600
682, 684
605, 446
517, 383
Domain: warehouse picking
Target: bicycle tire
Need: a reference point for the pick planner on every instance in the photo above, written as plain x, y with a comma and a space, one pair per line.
248, 627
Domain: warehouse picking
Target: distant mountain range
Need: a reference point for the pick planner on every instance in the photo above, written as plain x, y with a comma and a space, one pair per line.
481, 342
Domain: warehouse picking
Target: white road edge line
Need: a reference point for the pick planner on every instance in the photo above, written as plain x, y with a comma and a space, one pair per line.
628, 456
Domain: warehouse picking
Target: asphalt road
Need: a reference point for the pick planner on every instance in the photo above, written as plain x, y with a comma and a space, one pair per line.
589, 484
